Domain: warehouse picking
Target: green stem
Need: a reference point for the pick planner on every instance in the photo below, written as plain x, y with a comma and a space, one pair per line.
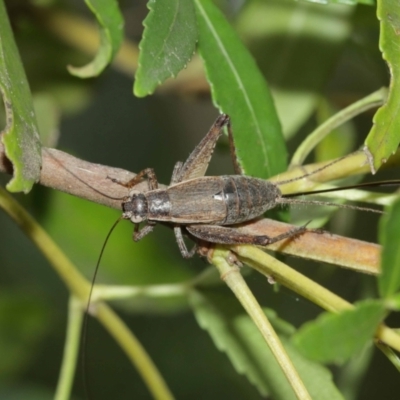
71, 350
306, 287
282, 273
234, 280
80, 287
115, 292
135, 351
58, 260
373, 100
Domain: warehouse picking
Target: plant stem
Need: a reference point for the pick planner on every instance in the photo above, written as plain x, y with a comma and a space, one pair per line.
234, 280
373, 100
80, 287
71, 349
282, 273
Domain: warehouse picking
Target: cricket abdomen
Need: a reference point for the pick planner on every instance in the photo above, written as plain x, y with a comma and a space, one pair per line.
220, 200
247, 198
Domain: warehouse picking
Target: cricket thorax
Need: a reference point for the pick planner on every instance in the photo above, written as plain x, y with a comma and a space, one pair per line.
159, 204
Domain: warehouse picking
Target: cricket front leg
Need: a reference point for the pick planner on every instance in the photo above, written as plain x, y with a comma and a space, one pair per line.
151, 179
229, 235
140, 233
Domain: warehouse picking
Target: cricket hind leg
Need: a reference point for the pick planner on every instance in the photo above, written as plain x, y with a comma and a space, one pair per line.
232, 148
176, 173
197, 163
227, 235
181, 243
151, 179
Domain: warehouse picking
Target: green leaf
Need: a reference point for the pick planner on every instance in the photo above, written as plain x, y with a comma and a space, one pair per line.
337, 337
393, 302
167, 45
389, 234
234, 332
239, 89
20, 136
384, 137
111, 34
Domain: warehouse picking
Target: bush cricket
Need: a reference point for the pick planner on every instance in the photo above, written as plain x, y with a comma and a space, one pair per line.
206, 207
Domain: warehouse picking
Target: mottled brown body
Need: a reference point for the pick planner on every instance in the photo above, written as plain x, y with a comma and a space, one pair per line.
204, 206
220, 200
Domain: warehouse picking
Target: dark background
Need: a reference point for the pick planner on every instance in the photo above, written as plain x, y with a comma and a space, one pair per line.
101, 121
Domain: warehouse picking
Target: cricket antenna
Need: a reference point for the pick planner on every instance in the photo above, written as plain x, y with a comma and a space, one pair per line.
86, 316
393, 182
287, 198
283, 200
308, 174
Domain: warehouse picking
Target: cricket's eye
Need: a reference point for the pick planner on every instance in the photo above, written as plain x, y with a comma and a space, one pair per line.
135, 208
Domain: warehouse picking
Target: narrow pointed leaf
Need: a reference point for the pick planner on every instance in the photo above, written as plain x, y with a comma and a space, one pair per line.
384, 137
20, 135
239, 89
336, 337
168, 43
234, 333
111, 26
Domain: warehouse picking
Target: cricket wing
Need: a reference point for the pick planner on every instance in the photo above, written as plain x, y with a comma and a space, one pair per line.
197, 201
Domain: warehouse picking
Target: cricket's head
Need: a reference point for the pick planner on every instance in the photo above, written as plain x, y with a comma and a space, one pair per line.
135, 207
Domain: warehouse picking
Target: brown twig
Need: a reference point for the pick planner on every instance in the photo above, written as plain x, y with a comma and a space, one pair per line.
321, 246
61, 171
69, 174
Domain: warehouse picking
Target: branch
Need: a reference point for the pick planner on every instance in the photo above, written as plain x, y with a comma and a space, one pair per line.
321, 245
89, 181
61, 171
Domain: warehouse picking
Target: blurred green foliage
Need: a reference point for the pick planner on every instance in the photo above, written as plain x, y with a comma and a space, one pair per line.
315, 57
